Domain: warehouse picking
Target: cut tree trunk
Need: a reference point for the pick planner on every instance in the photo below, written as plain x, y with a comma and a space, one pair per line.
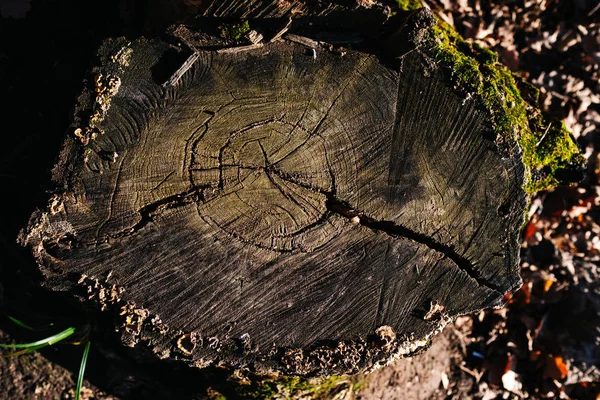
290, 206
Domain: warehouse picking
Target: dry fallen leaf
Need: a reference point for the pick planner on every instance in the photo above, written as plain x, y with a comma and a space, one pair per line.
555, 368
547, 285
530, 230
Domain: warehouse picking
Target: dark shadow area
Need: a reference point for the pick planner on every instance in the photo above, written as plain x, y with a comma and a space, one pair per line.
168, 65
43, 60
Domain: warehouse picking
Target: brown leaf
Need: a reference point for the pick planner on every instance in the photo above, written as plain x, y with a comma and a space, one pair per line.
522, 296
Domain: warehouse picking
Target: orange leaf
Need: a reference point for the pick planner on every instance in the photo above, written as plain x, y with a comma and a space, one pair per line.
522, 296
547, 285
530, 230
555, 368
561, 366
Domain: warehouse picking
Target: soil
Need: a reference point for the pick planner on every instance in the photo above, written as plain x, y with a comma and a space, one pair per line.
33, 376
419, 377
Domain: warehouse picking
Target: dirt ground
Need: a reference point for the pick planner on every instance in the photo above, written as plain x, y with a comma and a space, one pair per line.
544, 344
36, 376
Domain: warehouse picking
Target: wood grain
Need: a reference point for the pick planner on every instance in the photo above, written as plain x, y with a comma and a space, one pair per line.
291, 210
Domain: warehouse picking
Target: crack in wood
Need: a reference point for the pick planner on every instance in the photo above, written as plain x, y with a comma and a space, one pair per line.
333, 205
233, 136
342, 208
147, 212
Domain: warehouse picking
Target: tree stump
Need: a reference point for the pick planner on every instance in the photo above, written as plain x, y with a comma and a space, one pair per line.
289, 205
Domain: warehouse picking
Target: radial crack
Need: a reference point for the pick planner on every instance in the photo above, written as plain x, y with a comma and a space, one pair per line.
342, 208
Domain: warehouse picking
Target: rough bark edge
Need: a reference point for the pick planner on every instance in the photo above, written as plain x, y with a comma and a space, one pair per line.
549, 152
91, 107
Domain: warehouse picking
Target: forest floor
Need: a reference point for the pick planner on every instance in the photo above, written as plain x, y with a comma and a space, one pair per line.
544, 344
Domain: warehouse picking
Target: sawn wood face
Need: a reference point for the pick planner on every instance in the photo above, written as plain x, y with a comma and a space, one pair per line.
280, 198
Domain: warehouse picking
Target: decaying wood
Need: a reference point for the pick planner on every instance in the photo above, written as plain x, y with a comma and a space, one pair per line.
182, 70
304, 41
299, 212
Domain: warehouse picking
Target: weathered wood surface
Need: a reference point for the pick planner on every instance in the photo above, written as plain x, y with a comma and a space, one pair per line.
299, 210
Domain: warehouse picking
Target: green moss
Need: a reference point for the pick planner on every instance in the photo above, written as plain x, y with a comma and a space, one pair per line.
409, 5
473, 69
235, 31
358, 386
312, 388
486, 56
263, 390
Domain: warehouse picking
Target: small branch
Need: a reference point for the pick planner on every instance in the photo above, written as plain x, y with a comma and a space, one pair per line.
254, 37
283, 30
593, 11
239, 49
304, 41
187, 64
476, 375
544, 135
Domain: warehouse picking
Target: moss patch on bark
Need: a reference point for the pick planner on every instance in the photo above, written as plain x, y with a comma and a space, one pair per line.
550, 154
235, 31
290, 387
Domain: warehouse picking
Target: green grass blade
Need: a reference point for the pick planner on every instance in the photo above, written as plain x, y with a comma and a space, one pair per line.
21, 324
42, 343
86, 351
25, 351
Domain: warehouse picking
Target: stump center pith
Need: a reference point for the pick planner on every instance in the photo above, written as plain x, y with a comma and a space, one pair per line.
253, 198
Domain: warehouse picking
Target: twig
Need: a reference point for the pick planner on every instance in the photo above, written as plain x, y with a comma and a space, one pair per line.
544, 135
474, 374
594, 10
187, 64
239, 49
312, 44
254, 37
283, 30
